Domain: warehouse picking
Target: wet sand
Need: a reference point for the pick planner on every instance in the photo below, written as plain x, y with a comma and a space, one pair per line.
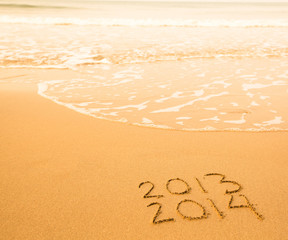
64, 175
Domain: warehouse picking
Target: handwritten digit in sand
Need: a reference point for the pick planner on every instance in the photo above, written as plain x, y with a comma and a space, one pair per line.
188, 188
225, 181
155, 221
248, 205
152, 187
185, 201
213, 205
201, 186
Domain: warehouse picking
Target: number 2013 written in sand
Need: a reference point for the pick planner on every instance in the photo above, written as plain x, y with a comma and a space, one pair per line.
233, 189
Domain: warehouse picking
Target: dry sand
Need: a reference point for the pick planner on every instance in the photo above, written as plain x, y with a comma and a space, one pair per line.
64, 175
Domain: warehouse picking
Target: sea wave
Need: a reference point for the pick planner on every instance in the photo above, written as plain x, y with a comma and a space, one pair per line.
83, 108
261, 23
71, 59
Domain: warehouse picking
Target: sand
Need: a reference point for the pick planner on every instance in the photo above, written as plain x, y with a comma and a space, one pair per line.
64, 175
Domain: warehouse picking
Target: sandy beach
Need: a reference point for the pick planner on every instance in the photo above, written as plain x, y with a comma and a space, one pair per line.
143, 120
65, 175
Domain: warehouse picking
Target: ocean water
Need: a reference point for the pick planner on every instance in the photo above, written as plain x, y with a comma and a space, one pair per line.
177, 65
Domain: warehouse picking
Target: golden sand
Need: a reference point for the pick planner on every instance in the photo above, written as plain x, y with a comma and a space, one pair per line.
64, 175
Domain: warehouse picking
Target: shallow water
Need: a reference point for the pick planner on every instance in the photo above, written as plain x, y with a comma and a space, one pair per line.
186, 66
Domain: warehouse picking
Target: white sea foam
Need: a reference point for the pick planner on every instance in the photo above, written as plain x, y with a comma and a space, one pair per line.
183, 118
177, 108
240, 121
276, 120
248, 86
197, 74
264, 97
43, 87
146, 120
144, 22
174, 95
234, 104
253, 103
198, 93
216, 118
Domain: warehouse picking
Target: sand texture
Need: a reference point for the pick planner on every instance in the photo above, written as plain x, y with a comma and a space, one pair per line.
64, 175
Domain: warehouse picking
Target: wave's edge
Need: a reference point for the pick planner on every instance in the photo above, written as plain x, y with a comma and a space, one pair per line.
123, 22
42, 87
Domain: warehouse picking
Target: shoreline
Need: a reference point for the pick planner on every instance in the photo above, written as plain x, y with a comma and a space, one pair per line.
65, 175
274, 129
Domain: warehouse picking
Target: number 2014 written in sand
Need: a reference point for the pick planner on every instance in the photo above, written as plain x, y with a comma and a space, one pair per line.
233, 189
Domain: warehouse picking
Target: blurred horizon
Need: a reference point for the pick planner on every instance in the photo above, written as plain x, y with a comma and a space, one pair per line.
176, 1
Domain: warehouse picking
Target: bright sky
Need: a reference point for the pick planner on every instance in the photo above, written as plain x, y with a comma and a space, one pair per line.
165, 0
200, 0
